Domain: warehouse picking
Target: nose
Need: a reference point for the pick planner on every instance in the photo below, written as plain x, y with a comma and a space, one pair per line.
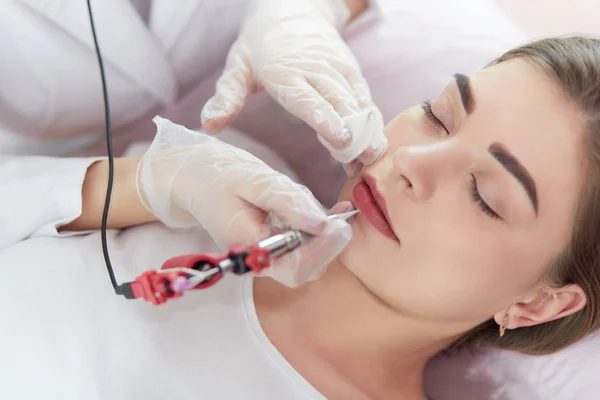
424, 167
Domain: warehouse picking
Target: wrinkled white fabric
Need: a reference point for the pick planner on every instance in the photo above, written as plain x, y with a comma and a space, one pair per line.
188, 178
66, 336
293, 50
51, 96
38, 194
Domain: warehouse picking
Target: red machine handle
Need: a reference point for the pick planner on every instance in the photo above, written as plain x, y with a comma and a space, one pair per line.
197, 261
157, 287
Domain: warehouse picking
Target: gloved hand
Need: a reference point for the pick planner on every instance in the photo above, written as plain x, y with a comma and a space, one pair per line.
293, 50
187, 178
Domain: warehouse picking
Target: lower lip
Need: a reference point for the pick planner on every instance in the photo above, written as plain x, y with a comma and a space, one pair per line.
364, 201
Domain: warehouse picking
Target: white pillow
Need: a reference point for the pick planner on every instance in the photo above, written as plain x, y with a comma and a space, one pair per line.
571, 374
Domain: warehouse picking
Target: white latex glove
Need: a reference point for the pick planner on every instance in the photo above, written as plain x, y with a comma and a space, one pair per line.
293, 50
187, 178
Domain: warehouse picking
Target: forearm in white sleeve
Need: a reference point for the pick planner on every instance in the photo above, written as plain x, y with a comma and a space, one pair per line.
39, 194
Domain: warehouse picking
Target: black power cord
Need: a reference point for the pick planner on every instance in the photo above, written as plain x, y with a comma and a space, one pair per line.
111, 161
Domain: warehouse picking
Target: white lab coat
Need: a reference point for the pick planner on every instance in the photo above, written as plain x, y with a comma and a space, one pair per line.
50, 87
50, 75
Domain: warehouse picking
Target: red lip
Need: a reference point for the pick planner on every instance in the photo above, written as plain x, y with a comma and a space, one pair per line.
372, 205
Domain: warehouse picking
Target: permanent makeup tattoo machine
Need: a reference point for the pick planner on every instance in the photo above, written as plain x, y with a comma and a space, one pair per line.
199, 271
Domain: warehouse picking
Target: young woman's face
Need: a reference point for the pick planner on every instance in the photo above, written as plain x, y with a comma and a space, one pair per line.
480, 191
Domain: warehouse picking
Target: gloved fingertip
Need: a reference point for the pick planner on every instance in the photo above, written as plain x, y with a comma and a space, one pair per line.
342, 207
215, 115
213, 126
341, 229
370, 155
337, 140
316, 224
353, 168
375, 150
344, 138
332, 240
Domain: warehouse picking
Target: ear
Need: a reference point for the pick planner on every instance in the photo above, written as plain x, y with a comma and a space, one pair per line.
544, 306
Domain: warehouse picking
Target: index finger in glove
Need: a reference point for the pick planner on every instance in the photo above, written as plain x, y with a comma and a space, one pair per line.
366, 132
303, 100
310, 261
232, 88
378, 143
363, 138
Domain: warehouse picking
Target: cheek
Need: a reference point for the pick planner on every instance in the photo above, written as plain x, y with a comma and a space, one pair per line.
368, 253
442, 274
469, 273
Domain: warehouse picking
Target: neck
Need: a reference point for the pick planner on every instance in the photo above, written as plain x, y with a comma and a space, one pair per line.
363, 339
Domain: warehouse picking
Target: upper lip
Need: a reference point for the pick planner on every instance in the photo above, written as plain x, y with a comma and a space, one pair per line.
379, 200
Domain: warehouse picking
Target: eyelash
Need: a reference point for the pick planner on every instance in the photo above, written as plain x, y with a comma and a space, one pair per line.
480, 202
426, 106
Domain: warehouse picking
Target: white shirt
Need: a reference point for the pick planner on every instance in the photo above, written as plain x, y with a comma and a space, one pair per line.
66, 335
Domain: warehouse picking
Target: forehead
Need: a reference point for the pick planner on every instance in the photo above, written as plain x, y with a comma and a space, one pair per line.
521, 106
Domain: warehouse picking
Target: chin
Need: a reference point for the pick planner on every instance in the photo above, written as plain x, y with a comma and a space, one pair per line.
360, 254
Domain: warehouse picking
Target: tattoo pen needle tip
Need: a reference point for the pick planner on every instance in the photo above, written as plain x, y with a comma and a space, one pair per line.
343, 216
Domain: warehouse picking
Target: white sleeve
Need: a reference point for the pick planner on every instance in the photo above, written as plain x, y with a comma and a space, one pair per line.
39, 194
374, 5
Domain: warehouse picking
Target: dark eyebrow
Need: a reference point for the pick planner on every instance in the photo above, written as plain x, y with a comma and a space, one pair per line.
466, 94
513, 166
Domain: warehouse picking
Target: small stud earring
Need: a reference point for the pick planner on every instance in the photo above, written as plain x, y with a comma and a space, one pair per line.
504, 325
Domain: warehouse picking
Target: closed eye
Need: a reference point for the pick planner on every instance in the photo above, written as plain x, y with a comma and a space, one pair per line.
426, 106
479, 200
